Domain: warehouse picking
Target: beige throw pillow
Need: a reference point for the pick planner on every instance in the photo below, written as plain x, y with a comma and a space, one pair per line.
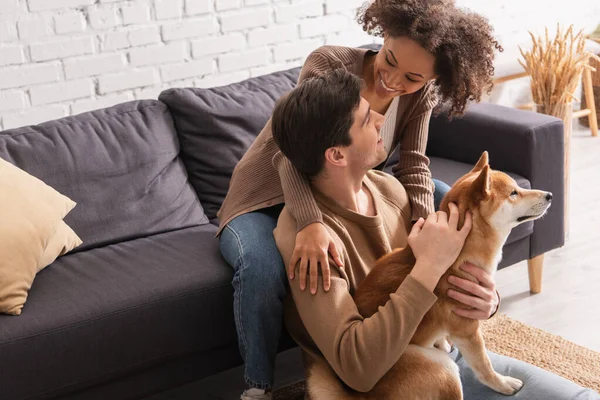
32, 233
63, 241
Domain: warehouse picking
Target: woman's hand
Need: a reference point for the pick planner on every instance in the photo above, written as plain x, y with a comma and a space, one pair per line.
482, 301
313, 243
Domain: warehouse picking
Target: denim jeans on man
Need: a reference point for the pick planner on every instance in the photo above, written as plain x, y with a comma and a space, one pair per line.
538, 384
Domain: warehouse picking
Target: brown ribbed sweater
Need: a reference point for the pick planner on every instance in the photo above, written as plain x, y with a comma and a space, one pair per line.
264, 177
327, 325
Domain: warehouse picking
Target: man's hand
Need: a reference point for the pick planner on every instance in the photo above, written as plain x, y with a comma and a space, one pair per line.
313, 243
482, 301
436, 244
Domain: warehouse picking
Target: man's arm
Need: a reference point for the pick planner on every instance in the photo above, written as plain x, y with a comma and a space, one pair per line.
359, 350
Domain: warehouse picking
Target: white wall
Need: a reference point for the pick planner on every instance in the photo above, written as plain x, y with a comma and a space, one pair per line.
63, 57
512, 19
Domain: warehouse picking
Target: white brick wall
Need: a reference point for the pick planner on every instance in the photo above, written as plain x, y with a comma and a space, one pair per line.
62, 48
63, 57
11, 100
158, 54
297, 10
8, 31
69, 23
218, 44
93, 66
35, 28
60, 92
19, 77
11, 54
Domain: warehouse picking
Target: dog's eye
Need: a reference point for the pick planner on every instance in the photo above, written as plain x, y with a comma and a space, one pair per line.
514, 193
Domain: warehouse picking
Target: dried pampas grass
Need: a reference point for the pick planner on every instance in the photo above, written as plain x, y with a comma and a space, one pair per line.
555, 67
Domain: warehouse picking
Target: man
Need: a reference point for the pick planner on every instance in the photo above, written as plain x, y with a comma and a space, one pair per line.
328, 132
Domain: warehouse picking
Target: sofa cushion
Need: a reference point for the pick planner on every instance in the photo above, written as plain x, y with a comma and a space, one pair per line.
99, 314
118, 164
216, 126
31, 232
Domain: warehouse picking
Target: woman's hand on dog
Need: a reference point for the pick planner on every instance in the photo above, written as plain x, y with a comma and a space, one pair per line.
482, 300
436, 243
313, 243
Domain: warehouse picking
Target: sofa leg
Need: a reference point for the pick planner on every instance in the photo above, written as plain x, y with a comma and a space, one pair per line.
535, 266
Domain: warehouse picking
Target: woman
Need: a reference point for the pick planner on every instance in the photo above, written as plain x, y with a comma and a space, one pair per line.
433, 53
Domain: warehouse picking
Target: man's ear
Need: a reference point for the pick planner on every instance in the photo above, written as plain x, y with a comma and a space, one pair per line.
334, 156
481, 184
483, 161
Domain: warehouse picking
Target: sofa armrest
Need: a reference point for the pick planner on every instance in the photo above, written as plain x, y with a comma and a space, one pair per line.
523, 142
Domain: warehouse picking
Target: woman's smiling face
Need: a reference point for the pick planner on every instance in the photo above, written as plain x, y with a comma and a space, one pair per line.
401, 67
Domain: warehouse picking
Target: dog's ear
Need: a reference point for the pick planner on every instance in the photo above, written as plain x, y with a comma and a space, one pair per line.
481, 184
483, 161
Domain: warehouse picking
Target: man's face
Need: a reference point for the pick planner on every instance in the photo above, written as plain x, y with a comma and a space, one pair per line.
367, 150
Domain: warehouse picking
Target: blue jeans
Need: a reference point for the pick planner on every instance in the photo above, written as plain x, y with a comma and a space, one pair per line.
538, 384
441, 188
259, 287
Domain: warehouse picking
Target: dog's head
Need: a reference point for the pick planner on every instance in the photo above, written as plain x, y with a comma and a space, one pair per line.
495, 199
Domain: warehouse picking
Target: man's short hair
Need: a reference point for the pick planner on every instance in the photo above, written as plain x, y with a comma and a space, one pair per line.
314, 116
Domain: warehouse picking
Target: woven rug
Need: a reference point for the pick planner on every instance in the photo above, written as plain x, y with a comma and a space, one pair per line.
514, 339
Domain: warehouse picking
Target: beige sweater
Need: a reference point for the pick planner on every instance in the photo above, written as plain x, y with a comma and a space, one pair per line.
328, 325
264, 177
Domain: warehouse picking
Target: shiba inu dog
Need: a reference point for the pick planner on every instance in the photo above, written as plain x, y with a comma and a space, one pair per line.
423, 371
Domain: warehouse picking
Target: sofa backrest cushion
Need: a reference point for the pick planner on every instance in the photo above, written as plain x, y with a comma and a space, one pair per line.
120, 165
216, 127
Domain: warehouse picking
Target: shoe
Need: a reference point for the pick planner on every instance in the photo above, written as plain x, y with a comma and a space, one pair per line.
256, 394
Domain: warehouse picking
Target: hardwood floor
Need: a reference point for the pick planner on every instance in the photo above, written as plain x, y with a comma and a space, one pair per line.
570, 299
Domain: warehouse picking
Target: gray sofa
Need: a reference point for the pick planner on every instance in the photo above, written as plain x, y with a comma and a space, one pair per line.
145, 304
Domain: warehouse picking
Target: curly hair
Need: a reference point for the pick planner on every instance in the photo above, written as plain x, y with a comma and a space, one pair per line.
460, 40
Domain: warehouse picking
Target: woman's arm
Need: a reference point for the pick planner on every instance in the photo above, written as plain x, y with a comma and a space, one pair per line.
313, 242
412, 169
297, 193
296, 188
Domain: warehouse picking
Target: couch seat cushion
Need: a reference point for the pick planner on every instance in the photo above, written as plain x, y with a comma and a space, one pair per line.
108, 311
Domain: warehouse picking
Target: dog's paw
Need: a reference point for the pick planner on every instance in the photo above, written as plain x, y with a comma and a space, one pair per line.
443, 344
509, 385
